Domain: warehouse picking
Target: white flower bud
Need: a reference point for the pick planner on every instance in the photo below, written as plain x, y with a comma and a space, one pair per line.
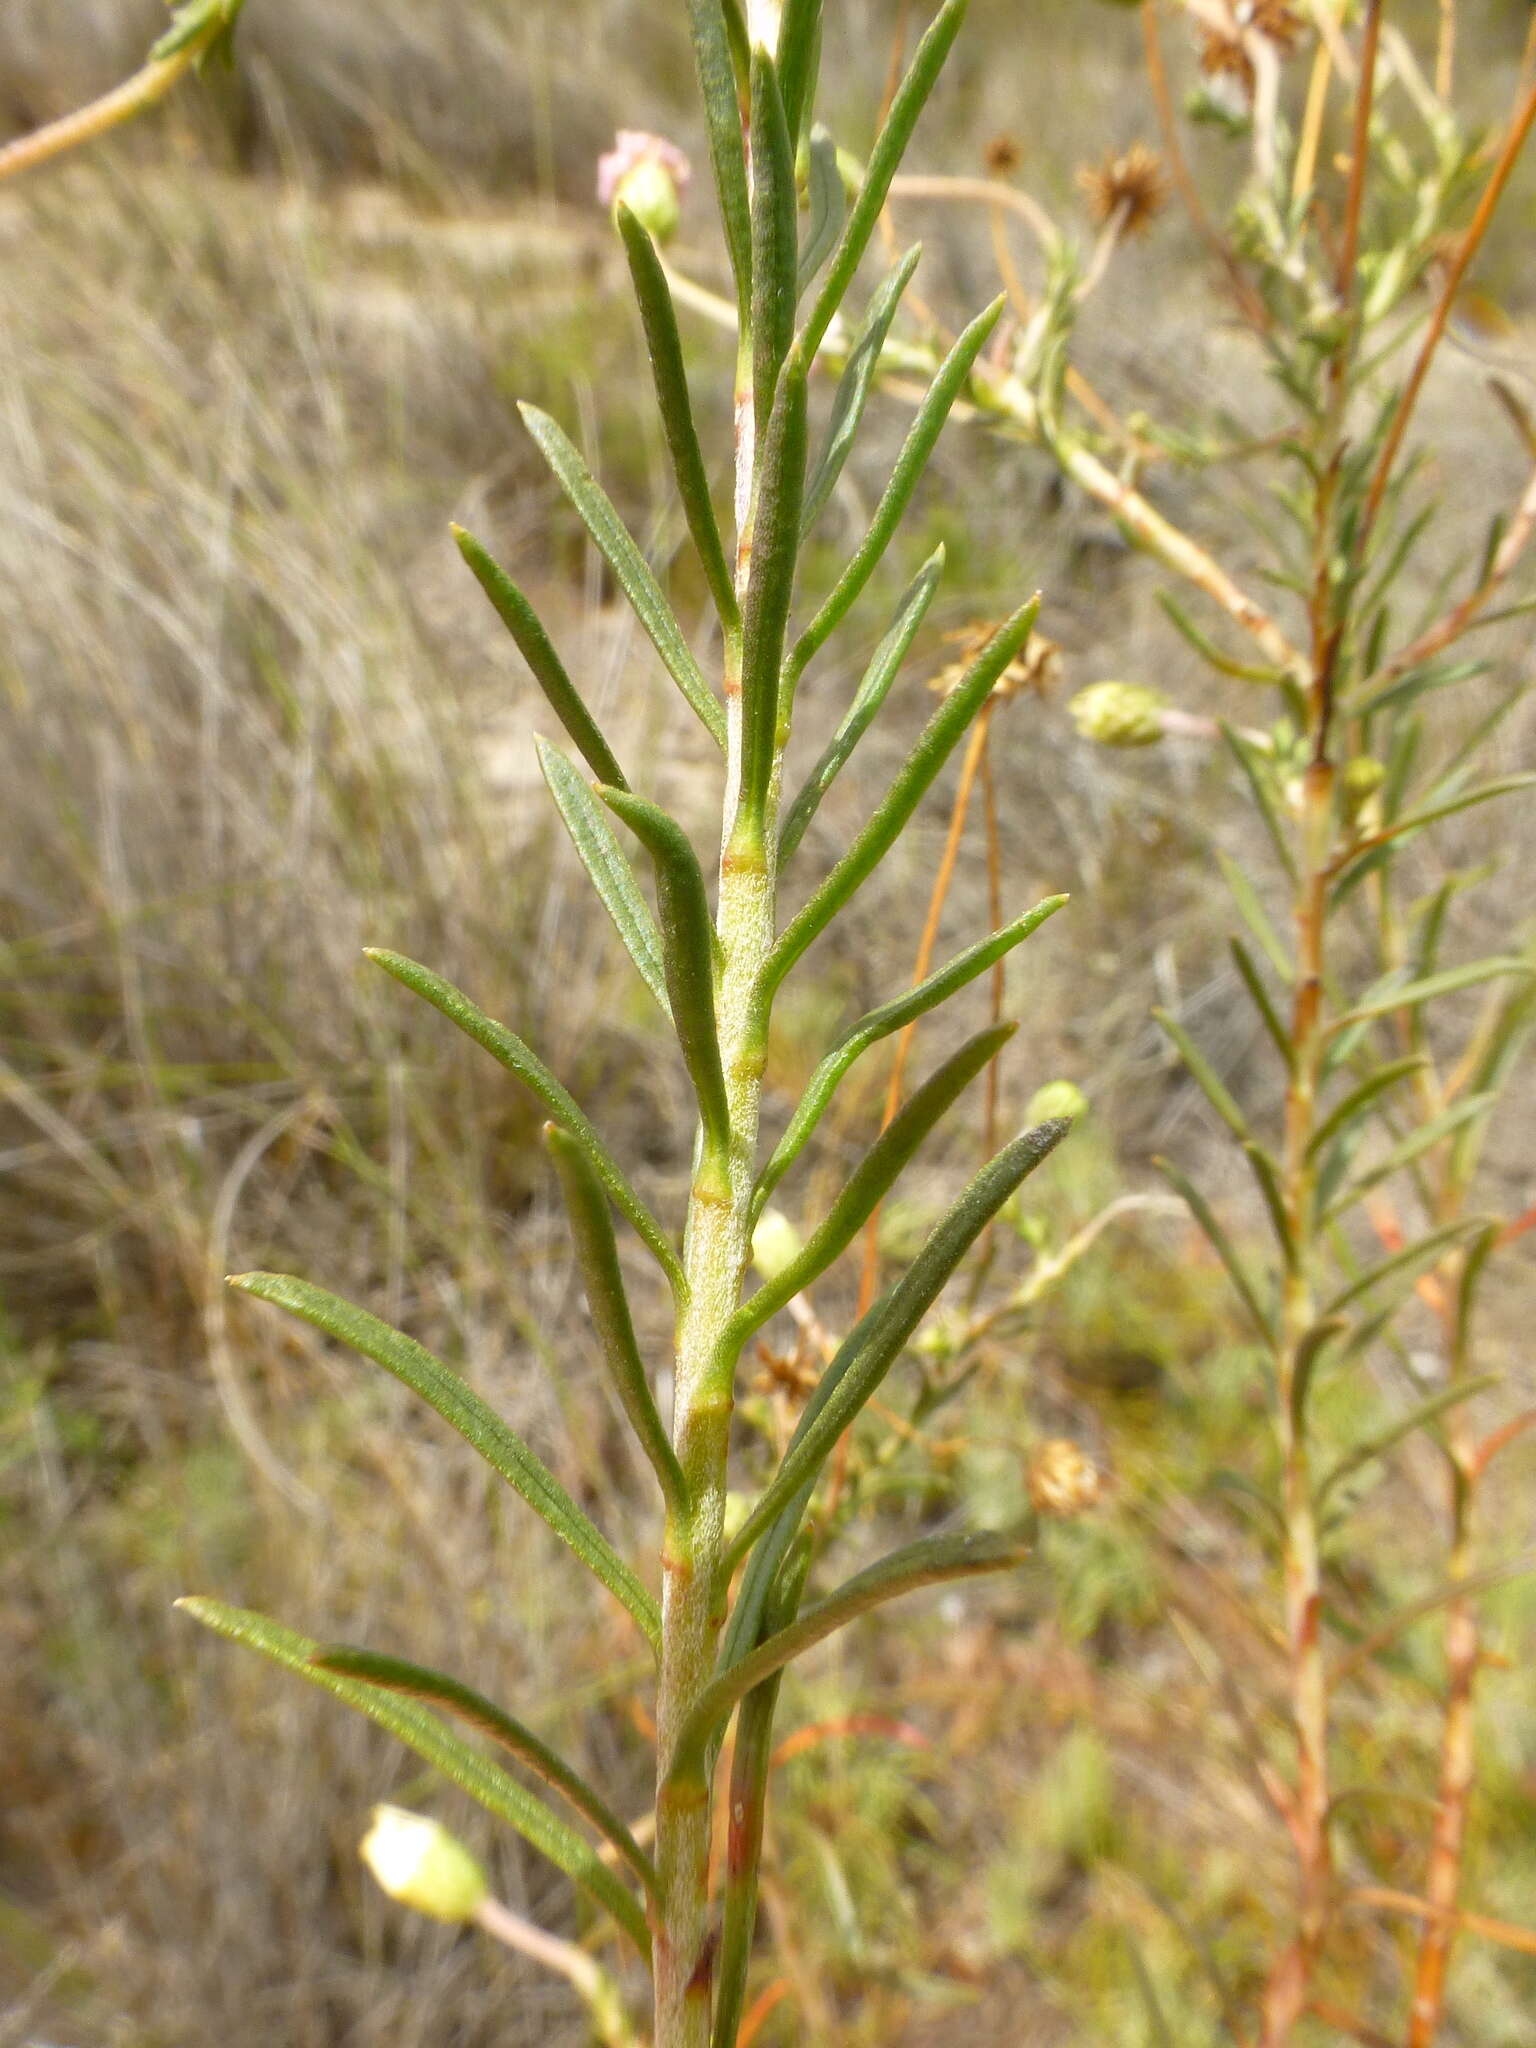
647, 174
1118, 714
417, 1861
1056, 1098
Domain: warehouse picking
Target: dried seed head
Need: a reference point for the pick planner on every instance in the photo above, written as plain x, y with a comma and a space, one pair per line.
1222, 52
1034, 667
416, 1860
1003, 155
649, 175
1119, 714
1063, 1480
1129, 187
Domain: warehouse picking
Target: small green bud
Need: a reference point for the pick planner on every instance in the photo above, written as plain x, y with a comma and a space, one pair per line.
776, 1244
1056, 1098
417, 1861
1119, 714
647, 174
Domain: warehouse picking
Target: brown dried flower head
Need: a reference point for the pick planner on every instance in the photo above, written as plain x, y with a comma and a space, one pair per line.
1222, 55
1003, 155
1032, 668
1129, 187
1063, 1479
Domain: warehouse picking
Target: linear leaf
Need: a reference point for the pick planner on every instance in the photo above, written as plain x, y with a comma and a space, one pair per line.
870, 1181
1408, 1261
687, 949
1254, 915
1263, 1002
1267, 1173
1204, 1074
770, 590
893, 1016
617, 547
1408, 1149
709, 24
665, 346
1507, 785
910, 464
1383, 1440
884, 159
1360, 1099
495, 1789
854, 386
518, 1059
797, 58
936, 743
867, 700
878, 1339
611, 874
533, 643
750, 1767
1258, 768
417, 1681
1390, 994
1221, 1244
928, 1563
462, 1409
592, 1232
828, 203
1309, 1352
774, 234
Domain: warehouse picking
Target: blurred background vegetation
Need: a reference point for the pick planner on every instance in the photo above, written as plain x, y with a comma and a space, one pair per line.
254, 356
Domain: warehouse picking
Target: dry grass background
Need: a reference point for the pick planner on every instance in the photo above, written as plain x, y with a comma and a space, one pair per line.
252, 359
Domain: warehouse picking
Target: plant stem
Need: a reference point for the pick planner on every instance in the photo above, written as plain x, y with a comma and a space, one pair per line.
147, 85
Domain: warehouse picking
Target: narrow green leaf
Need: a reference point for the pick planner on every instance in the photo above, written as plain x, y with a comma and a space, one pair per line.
710, 26
1413, 1147
1259, 770
1309, 1353
878, 1339
774, 235
935, 745
827, 204
1507, 785
770, 591
533, 643
1267, 1173
1383, 1440
1263, 1002
1474, 1266
671, 379
419, 1682
854, 386
1390, 994
687, 947
884, 160
868, 698
611, 874
931, 1562
797, 58
870, 1182
1204, 1074
893, 1016
586, 1199
616, 545
1221, 1244
1206, 648
1254, 915
910, 464
519, 1060
1408, 1261
495, 1789
750, 1768
462, 1409
1359, 1099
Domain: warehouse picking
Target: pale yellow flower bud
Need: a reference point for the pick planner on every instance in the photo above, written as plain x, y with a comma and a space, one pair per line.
1056, 1098
776, 1244
417, 1861
1118, 714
